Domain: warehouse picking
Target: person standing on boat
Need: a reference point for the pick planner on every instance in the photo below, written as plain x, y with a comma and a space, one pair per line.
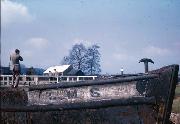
16, 69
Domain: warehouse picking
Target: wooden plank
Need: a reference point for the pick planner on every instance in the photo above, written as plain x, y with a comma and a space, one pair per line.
82, 105
168, 78
93, 82
85, 94
172, 86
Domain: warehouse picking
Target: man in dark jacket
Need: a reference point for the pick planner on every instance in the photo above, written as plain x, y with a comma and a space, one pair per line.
16, 69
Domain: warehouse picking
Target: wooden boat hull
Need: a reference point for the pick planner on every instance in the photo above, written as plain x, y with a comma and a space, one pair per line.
143, 99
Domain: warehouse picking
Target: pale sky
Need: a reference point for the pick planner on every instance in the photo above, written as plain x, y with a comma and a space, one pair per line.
125, 30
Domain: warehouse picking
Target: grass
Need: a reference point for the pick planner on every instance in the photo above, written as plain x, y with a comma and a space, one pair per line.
176, 102
176, 105
177, 91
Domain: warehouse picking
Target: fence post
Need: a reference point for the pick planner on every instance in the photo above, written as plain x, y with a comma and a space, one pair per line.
57, 77
67, 79
77, 78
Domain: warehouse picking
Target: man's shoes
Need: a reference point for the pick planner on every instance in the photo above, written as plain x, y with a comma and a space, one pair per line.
15, 86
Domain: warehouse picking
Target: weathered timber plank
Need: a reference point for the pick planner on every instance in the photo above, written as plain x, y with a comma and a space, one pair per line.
10, 96
141, 114
93, 82
83, 94
171, 92
168, 78
82, 105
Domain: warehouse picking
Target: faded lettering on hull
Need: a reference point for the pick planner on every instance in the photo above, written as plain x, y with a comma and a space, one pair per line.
83, 94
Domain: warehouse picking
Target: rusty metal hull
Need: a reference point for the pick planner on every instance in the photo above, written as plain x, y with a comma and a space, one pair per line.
143, 99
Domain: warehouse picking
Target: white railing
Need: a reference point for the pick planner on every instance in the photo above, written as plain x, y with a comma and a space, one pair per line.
27, 80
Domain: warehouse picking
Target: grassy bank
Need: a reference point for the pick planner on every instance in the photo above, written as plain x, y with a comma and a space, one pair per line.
176, 102
178, 90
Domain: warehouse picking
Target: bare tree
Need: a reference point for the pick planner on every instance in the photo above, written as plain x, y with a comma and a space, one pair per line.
93, 60
85, 59
77, 57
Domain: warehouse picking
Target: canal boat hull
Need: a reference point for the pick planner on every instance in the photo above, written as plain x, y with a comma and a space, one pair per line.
141, 99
